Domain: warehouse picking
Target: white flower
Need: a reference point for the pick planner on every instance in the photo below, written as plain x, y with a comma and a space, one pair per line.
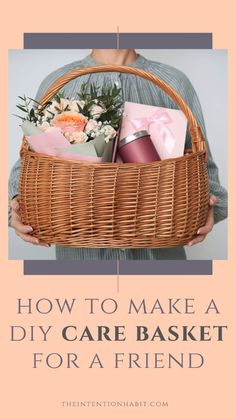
63, 104
81, 103
48, 114
50, 110
76, 137
55, 107
91, 126
96, 111
44, 118
45, 125
73, 106
109, 132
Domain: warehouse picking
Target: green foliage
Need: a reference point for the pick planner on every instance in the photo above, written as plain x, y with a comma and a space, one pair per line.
109, 97
58, 96
29, 109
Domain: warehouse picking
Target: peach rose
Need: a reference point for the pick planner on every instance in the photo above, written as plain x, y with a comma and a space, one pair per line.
69, 121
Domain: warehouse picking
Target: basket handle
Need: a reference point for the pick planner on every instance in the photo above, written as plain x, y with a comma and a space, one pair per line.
197, 139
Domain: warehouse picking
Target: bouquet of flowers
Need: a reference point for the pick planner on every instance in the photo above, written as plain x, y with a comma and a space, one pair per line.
76, 126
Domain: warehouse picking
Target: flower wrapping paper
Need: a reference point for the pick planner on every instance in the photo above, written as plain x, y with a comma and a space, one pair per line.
167, 127
53, 143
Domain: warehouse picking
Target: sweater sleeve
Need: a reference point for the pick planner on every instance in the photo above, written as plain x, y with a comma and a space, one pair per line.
13, 186
221, 207
13, 181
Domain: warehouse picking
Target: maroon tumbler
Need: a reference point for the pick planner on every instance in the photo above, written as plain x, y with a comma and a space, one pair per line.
137, 148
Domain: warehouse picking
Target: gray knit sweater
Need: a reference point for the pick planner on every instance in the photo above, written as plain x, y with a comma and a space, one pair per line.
134, 89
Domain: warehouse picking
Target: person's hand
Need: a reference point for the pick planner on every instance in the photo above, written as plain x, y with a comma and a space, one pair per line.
22, 230
203, 231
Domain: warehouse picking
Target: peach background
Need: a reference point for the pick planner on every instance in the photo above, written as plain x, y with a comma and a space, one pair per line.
205, 392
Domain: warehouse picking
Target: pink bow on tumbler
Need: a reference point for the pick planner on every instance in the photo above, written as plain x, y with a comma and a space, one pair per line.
156, 125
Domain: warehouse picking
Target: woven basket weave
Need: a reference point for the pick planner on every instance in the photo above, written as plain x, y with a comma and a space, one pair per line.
131, 205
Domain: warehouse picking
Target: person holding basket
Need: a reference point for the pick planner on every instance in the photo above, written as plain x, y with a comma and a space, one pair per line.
139, 90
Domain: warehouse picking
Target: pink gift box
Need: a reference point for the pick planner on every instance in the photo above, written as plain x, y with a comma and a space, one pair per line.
167, 127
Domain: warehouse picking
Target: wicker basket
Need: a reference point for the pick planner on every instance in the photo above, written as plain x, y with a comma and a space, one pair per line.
132, 205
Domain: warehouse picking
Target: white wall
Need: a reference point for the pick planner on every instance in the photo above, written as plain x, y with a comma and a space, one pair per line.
207, 69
